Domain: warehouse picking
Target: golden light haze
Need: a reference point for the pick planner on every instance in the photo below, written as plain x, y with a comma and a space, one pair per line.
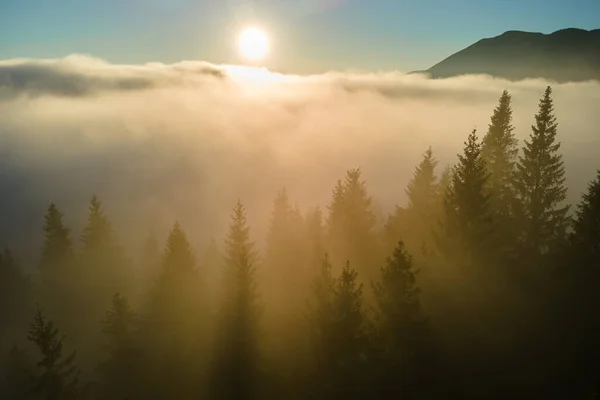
159, 143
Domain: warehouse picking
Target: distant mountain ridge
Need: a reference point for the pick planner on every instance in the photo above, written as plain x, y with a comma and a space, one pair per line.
567, 55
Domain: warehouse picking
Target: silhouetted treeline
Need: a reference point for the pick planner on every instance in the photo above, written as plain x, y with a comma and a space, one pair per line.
484, 285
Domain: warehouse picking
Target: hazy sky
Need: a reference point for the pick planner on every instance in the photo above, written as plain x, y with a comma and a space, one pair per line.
308, 35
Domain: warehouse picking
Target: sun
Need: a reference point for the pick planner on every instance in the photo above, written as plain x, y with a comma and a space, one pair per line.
253, 44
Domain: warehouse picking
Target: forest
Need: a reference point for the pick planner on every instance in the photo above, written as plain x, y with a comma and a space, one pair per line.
485, 284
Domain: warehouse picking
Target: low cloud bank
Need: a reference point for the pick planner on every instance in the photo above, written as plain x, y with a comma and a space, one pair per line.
183, 141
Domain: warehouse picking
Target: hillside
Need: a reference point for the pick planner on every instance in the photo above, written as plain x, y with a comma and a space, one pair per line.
563, 56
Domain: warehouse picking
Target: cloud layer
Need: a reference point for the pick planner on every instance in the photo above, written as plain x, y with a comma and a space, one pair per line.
183, 141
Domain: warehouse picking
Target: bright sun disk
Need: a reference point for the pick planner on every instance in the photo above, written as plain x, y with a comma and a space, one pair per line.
254, 44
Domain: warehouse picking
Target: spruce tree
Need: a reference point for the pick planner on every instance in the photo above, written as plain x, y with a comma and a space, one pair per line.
499, 151
104, 265
280, 260
119, 370
59, 280
585, 238
57, 251
400, 323
339, 335
351, 225
540, 184
581, 263
421, 188
56, 377
469, 227
173, 325
238, 359
416, 221
98, 232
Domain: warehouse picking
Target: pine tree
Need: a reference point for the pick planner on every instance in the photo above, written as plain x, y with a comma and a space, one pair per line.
351, 225
119, 370
98, 232
468, 225
581, 263
279, 262
585, 238
104, 265
176, 312
499, 151
400, 323
417, 220
420, 190
339, 334
58, 377
237, 369
541, 183
57, 251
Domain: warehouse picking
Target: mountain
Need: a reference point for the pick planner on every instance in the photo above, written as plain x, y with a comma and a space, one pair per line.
567, 55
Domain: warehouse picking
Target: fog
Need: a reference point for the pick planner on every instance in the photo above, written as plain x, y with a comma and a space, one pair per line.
184, 141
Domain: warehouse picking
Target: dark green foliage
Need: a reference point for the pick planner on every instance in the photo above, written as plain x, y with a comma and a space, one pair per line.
540, 184
499, 151
468, 224
56, 376
585, 238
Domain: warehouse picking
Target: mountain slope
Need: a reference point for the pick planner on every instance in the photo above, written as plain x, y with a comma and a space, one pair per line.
562, 56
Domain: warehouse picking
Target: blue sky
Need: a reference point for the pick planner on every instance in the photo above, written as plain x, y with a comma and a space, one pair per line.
308, 35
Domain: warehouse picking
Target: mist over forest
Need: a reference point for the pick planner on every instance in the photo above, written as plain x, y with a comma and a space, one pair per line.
197, 230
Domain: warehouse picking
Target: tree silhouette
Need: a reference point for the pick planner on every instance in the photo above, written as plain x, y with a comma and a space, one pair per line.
238, 360
468, 224
58, 377
401, 324
541, 184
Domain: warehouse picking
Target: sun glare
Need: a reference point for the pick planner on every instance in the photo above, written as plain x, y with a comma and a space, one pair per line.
253, 44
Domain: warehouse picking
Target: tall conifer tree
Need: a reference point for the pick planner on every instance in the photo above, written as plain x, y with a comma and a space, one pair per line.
351, 225
540, 183
499, 151
175, 315
400, 323
57, 250
339, 334
468, 224
57, 377
238, 360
